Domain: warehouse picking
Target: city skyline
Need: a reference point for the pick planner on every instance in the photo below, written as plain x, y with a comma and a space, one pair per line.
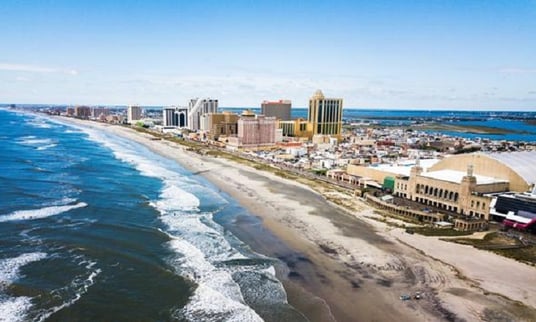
387, 54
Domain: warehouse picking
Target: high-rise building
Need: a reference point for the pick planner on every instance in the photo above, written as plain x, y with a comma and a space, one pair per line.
198, 107
175, 116
278, 109
69, 111
133, 113
97, 112
259, 130
83, 112
325, 115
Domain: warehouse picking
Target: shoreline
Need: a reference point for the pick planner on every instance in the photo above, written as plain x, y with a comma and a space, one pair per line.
358, 266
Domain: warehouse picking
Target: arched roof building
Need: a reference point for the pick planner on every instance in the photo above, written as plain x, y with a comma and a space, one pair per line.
518, 168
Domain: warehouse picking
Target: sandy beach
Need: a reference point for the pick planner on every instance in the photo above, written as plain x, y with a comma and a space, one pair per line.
346, 266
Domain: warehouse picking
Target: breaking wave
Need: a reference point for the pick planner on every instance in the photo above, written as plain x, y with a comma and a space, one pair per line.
40, 213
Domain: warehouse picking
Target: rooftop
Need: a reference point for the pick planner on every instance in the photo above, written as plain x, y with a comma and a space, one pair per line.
520, 162
457, 176
404, 167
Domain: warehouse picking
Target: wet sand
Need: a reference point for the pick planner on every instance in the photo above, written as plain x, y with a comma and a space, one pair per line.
339, 265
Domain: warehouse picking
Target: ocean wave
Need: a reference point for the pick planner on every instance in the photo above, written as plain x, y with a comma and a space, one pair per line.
39, 122
9, 267
32, 140
79, 286
40, 213
72, 131
15, 308
172, 198
196, 228
218, 296
37, 143
206, 257
209, 305
46, 147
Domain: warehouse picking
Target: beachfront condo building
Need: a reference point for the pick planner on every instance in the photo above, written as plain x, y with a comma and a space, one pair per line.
99, 112
198, 107
255, 132
175, 116
278, 109
325, 115
83, 112
133, 113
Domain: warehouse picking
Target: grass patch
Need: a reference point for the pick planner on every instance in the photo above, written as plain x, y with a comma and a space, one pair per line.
491, 239
525, 254
430, 231
503, 245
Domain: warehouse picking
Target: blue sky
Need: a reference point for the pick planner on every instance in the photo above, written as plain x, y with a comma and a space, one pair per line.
472, 54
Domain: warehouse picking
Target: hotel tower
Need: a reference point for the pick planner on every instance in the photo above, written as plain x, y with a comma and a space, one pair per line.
325, 115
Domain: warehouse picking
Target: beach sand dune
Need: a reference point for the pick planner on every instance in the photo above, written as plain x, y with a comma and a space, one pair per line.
346, 266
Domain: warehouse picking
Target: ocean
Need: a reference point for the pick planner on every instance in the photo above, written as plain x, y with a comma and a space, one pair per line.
97, 228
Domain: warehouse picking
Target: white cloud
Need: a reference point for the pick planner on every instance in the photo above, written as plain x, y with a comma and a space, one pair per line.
35, 69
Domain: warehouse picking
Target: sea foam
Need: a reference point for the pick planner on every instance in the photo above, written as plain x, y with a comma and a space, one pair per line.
80, 288
37, 143
40, 213
218, 296
9, 268
14, 308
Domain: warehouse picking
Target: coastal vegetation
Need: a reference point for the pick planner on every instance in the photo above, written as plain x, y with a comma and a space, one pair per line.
431, 231
503, 244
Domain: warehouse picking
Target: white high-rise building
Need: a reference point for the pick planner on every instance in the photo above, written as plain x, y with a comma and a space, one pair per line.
133, 113
198, 107
175, 116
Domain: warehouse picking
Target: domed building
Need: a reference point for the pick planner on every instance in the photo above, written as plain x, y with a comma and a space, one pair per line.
518, 168
465, 184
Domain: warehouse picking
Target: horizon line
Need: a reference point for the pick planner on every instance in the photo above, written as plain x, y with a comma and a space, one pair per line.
473, 109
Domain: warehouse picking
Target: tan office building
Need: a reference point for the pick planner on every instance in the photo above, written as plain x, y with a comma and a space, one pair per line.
220, 124
296, 128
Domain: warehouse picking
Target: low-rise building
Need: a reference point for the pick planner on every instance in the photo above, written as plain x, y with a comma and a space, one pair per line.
220, 124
